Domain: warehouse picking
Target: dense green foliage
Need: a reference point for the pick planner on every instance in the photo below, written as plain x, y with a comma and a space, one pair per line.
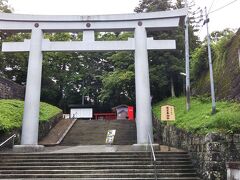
226, 70
199, 119
4, 7
11, 114
199, 57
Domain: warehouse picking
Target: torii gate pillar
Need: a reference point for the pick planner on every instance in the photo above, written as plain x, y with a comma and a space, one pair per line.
33, 90
142, 86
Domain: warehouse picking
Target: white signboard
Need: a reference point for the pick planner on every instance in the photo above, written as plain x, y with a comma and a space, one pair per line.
110, 136
81, 113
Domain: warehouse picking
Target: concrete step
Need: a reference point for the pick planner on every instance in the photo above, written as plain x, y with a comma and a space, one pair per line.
179, 178
93, 156
95, 163
98, 171
83, 167
83, 156
144, 154
94, 160
98, 178
96, 153
119, 165
108, 175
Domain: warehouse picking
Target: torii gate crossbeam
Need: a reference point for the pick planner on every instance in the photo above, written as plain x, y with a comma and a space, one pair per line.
140, 24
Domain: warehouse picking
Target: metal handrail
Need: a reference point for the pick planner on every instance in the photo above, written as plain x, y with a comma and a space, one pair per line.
12, 137
153, 162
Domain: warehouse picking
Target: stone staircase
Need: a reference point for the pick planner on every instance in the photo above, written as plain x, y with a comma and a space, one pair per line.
85, 132
107, 166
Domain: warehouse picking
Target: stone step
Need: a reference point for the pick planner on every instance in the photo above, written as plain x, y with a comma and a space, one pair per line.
94, 171
108, 175
138, 153
92, 160
20, 167
95, 163
122, 178
179, 178
94, 156
115, 165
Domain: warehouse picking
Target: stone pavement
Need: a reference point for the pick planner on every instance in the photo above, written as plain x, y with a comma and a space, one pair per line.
94, 149
100, 148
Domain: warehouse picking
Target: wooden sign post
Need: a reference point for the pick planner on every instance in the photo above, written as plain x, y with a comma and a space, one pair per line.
168, 114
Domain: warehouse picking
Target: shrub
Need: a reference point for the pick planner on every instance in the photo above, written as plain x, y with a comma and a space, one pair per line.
11, 114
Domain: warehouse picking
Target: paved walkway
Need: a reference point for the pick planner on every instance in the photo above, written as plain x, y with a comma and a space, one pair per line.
82, 149
94, 149
99, 148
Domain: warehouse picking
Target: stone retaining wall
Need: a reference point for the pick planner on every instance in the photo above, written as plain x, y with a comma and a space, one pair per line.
44, 128
10, 89
209, 152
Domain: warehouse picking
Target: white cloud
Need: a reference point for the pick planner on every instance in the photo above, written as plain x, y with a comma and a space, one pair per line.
227, 17
73, 7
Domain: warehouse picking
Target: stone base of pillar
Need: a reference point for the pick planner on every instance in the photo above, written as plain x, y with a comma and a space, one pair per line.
145, 147
28, 148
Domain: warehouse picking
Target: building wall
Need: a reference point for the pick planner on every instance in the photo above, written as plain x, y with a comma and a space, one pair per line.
10, 89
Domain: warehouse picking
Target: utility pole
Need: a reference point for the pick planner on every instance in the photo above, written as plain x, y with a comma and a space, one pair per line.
210, 64
83, 95
187, 59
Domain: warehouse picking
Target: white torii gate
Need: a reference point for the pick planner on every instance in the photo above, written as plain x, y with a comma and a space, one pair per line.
137, 23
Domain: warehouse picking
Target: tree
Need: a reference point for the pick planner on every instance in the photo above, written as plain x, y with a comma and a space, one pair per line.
118, 82
4, 7
166, 65
14, 65
74, 74
153, 5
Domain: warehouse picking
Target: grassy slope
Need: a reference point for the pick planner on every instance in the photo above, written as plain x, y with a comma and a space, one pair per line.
199, 118
11, 113
225, 70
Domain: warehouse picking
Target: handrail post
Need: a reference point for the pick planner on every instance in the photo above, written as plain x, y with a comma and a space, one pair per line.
13, 139
155, 170
153, 157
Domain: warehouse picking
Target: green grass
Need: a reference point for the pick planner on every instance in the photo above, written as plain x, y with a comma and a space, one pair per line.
11, 113
199, 119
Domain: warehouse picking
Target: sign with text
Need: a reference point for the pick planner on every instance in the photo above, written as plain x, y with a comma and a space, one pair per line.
110, 136
167, 113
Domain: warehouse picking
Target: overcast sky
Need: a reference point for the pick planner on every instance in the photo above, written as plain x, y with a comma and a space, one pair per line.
229, 17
